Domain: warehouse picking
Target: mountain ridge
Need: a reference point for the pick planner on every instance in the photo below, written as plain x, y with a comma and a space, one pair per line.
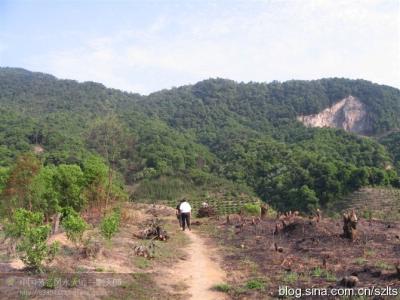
244, 133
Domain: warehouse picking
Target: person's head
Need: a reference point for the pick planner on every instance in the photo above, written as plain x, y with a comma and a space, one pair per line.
183, 200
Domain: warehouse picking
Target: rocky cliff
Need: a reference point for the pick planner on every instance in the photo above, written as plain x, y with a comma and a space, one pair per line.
349, 114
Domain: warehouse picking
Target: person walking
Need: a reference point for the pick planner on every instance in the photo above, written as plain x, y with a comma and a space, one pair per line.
178, 213
186, 211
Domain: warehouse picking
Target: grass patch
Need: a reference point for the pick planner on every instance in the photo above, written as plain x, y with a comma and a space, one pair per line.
222, 287
250, 265
140, 286
323, 273
369, 253
251, 209
290, 277
360, 261
99, 269
255, 284
383, 265
142, 263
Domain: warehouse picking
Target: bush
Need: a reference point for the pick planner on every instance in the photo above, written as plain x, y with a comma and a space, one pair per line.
31, 234
74, 226
255, 284
251, 209
110, 225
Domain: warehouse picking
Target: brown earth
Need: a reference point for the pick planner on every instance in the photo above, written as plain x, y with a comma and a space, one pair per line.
311, 254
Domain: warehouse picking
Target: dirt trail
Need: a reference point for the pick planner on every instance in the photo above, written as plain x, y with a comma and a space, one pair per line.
199, 272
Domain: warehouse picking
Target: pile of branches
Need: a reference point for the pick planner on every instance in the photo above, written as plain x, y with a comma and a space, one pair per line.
208, 211
153, 230
145, 251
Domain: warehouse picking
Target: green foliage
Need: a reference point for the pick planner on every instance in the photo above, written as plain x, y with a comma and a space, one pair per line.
30, 232
290, 277
110, 225
255, 284
323, 273
246, 133
74, 226
222, 287
162, 189
45, 196
68, 181
252, 209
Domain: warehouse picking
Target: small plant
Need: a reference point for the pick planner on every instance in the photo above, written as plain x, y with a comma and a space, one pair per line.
322, 273
99, 269
142, 263
251, 209
52, 281
31, 234
317, 272
74, 281
222, 287
255, 284
367, 214
382, 265
290, 277
369, 253
110, 225
360, 261
74, 226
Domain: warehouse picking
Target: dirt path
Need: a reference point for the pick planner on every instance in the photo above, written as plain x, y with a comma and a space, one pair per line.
199, 272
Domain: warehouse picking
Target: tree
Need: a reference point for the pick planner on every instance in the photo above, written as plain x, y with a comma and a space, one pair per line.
69, 182
74, 225
17, 189
107, 138
45, 197
31, 234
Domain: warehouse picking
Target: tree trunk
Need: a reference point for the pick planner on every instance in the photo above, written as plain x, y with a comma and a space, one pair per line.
56, 223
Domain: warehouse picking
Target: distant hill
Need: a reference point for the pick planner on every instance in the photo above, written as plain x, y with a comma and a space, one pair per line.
216, 131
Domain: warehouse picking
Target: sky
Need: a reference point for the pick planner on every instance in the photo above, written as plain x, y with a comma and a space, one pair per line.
144, 46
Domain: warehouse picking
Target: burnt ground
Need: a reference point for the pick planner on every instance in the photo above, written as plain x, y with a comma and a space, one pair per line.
313, 254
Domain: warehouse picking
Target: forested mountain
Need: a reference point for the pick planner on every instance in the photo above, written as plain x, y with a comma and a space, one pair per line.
243, 133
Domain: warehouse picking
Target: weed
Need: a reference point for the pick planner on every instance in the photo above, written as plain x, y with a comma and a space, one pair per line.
222, 287
323, 273
255, 284
99, 269
360, 261
383, 265
142, 263
290, 277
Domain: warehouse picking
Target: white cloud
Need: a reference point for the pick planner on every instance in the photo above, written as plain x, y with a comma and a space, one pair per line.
278, 40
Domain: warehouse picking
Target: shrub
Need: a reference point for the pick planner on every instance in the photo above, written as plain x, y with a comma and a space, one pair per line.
255, 284
251, 209
74, 226
31, 234
110, 225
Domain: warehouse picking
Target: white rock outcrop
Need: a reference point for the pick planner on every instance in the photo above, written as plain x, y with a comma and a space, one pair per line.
348, 114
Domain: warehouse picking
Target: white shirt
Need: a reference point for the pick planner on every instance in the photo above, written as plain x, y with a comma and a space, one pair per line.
185, 207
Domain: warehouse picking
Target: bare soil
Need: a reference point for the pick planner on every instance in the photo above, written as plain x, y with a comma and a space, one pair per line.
311, 254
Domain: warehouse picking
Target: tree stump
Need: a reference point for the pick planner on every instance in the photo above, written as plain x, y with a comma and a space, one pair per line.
264, 210
56, 223
350, 225
207, 211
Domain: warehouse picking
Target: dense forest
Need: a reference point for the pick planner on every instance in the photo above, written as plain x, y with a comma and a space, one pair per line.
65, 144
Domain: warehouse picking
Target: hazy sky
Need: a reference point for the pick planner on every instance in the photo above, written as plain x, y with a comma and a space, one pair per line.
143, 46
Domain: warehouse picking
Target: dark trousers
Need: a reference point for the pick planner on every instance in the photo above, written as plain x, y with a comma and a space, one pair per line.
179, 219
185, 220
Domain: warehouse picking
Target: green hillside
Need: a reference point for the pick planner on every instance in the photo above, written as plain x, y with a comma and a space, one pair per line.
215, 135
